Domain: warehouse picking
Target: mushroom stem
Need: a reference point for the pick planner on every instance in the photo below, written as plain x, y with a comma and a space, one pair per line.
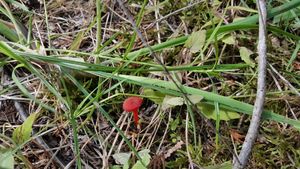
136, 117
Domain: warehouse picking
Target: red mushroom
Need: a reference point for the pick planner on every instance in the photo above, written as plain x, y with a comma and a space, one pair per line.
132, 104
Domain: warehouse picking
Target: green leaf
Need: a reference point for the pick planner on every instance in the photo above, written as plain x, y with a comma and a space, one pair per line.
195, 98
116, 167
225, 102
247, 23
144, 154
284, 17
6, 160
245, 55
155, 96
19, 5
8, 33
160, 98
174, 123
77, 41
209, 111
171, 101
229, 40
23, 132
196, 41
138, 165
123, 159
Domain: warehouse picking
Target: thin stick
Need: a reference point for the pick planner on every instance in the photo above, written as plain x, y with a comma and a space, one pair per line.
187, 141
260, 95
98, 38
292, 88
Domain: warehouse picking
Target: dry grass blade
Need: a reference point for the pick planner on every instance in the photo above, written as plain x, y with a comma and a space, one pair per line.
24, 115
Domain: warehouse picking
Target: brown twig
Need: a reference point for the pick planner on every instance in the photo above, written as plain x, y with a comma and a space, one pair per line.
242, 160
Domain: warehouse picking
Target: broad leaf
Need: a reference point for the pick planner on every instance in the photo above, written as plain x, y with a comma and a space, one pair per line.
6, 160
195, 98
196, 41
230, 40
245, 55
155, 96
209, 111
171, 101
123, 159
23, 132
144, 154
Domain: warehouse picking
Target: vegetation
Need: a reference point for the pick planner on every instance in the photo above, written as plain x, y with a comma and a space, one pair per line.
68, 66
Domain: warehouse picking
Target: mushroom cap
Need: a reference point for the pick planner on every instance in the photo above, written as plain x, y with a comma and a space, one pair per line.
132, 103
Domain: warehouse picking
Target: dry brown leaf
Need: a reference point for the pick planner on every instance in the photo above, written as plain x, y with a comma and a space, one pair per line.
237, 136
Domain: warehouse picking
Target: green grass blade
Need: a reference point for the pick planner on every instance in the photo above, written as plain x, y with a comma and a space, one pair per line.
247, 23
106, 115
293, 57
226, 102
8, 33
83, 66
8, 51
99, 21
25, 91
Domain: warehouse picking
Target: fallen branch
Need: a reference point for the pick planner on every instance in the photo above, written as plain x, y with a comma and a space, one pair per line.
242, 160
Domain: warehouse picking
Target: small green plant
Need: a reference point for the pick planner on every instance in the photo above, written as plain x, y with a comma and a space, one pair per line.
123, 159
